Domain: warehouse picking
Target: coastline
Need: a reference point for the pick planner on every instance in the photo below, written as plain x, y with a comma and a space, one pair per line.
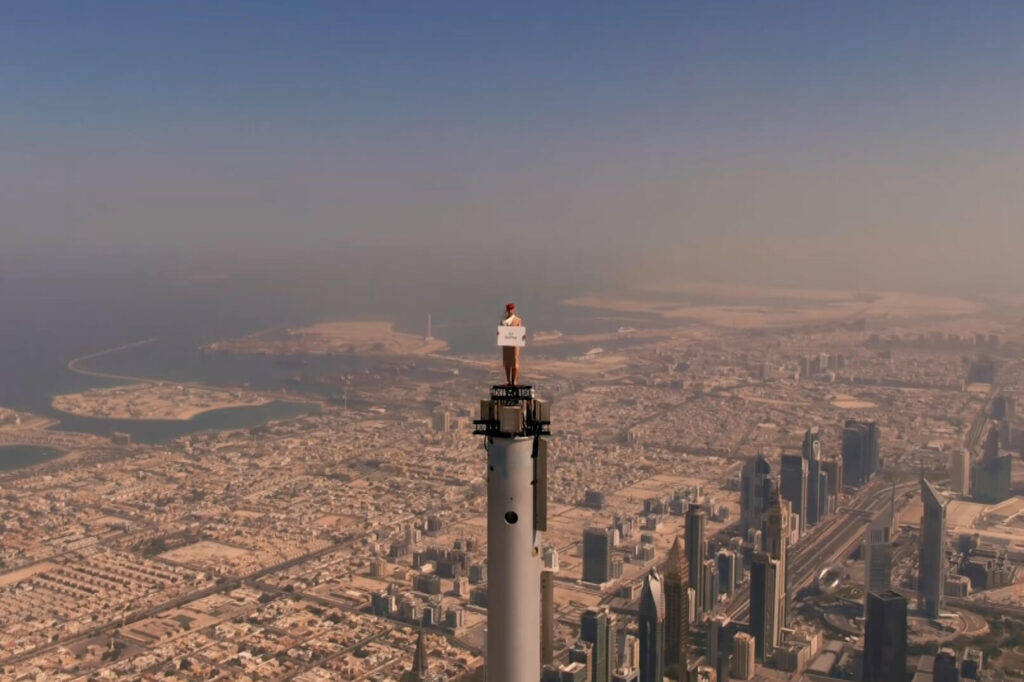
292, 400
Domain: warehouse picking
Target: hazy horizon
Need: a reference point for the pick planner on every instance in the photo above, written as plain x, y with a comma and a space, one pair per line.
864, 146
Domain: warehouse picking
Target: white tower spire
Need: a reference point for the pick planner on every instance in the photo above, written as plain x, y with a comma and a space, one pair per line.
514, 423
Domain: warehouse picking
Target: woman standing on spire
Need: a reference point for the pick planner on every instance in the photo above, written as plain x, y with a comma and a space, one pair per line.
510, 354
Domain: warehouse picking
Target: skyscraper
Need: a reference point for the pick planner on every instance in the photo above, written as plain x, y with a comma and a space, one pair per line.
717, 643
420, 669
793, 486
756, 488
945, 668
885, 638
990, 448
597, 555
596, 629
960, 472
811, 449
709, 574
766, 586
992, 472
582, 652
628, 647
972, 663
727, 571
743, 650
860, 452
677, 606
817, 480
776, 545
696, 522
932, 561
652, 629
878, 556
833, 468
1003, 407
547, 617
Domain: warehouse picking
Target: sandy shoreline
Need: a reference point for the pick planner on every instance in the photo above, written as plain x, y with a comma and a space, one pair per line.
327, 338
154, 402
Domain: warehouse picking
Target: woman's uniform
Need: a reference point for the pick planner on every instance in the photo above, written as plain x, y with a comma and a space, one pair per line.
510, 354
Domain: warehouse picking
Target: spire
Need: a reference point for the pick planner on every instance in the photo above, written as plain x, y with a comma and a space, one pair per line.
419, 660
777, 493
676, 566
929, 495
652, 598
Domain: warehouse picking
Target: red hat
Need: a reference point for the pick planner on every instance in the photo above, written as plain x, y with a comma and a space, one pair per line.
510, 306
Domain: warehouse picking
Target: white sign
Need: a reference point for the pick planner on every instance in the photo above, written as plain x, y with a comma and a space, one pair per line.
511, 336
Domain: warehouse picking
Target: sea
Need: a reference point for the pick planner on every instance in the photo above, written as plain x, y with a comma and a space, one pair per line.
49, 317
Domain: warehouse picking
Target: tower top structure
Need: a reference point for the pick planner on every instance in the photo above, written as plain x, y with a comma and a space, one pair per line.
419, 661
513, 412
676, 566
652, 598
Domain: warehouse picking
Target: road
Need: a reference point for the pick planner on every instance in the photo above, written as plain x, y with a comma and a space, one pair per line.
826, 543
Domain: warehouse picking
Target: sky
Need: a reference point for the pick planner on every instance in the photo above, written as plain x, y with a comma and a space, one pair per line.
862, 145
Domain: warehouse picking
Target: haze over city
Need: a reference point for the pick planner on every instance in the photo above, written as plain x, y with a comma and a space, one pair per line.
570, 342
691, 137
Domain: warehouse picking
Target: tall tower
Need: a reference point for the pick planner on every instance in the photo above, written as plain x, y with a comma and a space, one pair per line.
709, 574
419, 670
717, 656
743, 646
793, 486
945, 669
860, 452
696, 522
596, 628
776, 545
833, 469
817, 480
547, 616
677, 606
513, 423
597, 555
992, 472
960, 472
728, 571
755, 491
885, 638
878, 556
652, 629
932, 561
765, 616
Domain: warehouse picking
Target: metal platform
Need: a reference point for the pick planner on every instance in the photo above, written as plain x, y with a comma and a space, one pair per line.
513, 411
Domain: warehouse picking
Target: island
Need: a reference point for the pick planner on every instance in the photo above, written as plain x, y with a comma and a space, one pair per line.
367, 338
155, 400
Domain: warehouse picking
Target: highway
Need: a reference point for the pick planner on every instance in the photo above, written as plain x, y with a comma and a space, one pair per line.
827, 543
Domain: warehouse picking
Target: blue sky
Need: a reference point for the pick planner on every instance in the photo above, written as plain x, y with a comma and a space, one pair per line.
684, 136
